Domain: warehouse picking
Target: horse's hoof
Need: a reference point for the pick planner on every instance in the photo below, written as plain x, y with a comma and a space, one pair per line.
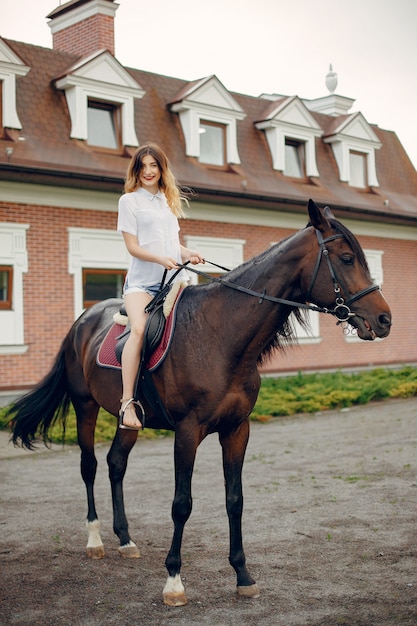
96, 552
174, 592
173, 599
129, 551
251, 591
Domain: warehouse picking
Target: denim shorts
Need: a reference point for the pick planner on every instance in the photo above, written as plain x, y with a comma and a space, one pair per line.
152, 290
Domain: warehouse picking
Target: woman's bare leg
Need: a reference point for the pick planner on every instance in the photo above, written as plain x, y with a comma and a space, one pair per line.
135, 304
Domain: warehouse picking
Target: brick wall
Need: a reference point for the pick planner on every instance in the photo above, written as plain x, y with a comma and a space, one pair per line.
87, 36
49, 293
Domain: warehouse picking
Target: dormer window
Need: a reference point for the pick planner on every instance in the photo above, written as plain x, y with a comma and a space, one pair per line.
354, 143
11, 68
291, 132
100, 96
103, 125
294, 159
358, 170
212, 143
208, 115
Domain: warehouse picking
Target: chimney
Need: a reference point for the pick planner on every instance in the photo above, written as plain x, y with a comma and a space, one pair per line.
83, 27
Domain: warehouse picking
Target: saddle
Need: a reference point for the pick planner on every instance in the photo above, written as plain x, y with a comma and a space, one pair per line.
158, 310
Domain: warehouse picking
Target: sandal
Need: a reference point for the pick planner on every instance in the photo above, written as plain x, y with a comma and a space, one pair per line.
122, 411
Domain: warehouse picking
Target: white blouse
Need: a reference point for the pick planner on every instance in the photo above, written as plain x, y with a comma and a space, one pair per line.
150, 219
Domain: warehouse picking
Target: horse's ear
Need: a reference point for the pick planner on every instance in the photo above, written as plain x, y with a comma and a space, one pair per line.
328, 213
319, 219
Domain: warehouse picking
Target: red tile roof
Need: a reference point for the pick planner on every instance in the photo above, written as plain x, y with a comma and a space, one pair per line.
49, 151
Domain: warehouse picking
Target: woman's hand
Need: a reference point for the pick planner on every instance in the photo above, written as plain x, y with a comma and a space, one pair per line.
192, 256
168, 263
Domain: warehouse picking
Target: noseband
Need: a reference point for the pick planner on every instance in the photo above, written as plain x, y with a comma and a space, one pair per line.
342, 309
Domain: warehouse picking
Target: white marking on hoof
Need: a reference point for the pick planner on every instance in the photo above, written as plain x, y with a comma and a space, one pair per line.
174, 592
251, 591
95, 547
129, 551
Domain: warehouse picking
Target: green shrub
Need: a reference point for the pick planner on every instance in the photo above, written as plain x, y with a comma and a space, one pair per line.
284, 396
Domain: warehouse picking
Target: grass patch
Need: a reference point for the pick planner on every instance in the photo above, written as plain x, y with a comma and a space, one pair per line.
309, 393
303, 393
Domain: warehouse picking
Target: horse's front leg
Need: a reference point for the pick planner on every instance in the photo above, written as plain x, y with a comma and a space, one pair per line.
184, 457
234, 448
117, 461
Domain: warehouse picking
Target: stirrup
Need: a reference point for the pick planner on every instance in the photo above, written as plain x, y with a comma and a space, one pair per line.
122, 413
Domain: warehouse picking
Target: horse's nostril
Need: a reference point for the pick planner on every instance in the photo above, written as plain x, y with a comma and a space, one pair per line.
385, 320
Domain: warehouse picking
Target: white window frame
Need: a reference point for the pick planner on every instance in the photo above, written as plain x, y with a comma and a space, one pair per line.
13, 252
290, 119
223, 251
11, 67
93, 249
208, 100
374, 260
355, 135
100, 77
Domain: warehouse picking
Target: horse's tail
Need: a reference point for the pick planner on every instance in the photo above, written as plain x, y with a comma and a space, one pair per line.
35, 413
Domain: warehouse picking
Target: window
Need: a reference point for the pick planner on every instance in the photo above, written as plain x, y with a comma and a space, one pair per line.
294, 159
291, 133
374, 260
203, 280
212, 143
1, 110
224, 251
358, 171
98, 260
13, 266
100, 96
208, 115
6, 278
103, 125
354, 143
101, 284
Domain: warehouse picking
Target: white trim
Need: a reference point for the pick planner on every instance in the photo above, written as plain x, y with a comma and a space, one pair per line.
291, 120
221, 250
95, 249
13, 252
354, 135
49, 195
374, 259
100, 77
209, 100
82, 13
11, 67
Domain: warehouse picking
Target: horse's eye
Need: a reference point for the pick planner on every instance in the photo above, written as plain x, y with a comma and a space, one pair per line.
348, 259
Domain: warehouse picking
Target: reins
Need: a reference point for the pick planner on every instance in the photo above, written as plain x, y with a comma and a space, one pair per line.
341, 309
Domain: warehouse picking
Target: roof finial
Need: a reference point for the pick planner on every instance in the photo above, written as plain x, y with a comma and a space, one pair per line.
331, 79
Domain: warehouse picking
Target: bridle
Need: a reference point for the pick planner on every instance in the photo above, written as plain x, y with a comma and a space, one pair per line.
341, 310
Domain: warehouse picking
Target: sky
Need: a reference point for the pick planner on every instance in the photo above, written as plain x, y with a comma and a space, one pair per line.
266, 46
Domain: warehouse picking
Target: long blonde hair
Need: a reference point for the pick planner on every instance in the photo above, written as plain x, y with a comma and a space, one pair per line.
167, 183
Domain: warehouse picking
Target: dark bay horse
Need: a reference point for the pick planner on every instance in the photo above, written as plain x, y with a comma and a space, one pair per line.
209, 381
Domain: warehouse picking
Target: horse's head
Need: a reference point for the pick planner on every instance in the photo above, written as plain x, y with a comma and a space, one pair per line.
338, 277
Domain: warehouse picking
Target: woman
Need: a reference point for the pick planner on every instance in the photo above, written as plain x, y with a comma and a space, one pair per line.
148, 219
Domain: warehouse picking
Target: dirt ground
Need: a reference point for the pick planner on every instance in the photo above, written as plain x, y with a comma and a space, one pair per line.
329, 529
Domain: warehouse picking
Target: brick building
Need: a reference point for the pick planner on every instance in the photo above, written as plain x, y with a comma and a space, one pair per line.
72, 116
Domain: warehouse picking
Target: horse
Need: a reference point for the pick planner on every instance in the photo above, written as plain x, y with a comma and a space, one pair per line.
209, 380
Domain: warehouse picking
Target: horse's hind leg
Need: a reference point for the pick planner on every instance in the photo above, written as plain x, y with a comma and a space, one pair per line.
234, 448
86, 422
117, 462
